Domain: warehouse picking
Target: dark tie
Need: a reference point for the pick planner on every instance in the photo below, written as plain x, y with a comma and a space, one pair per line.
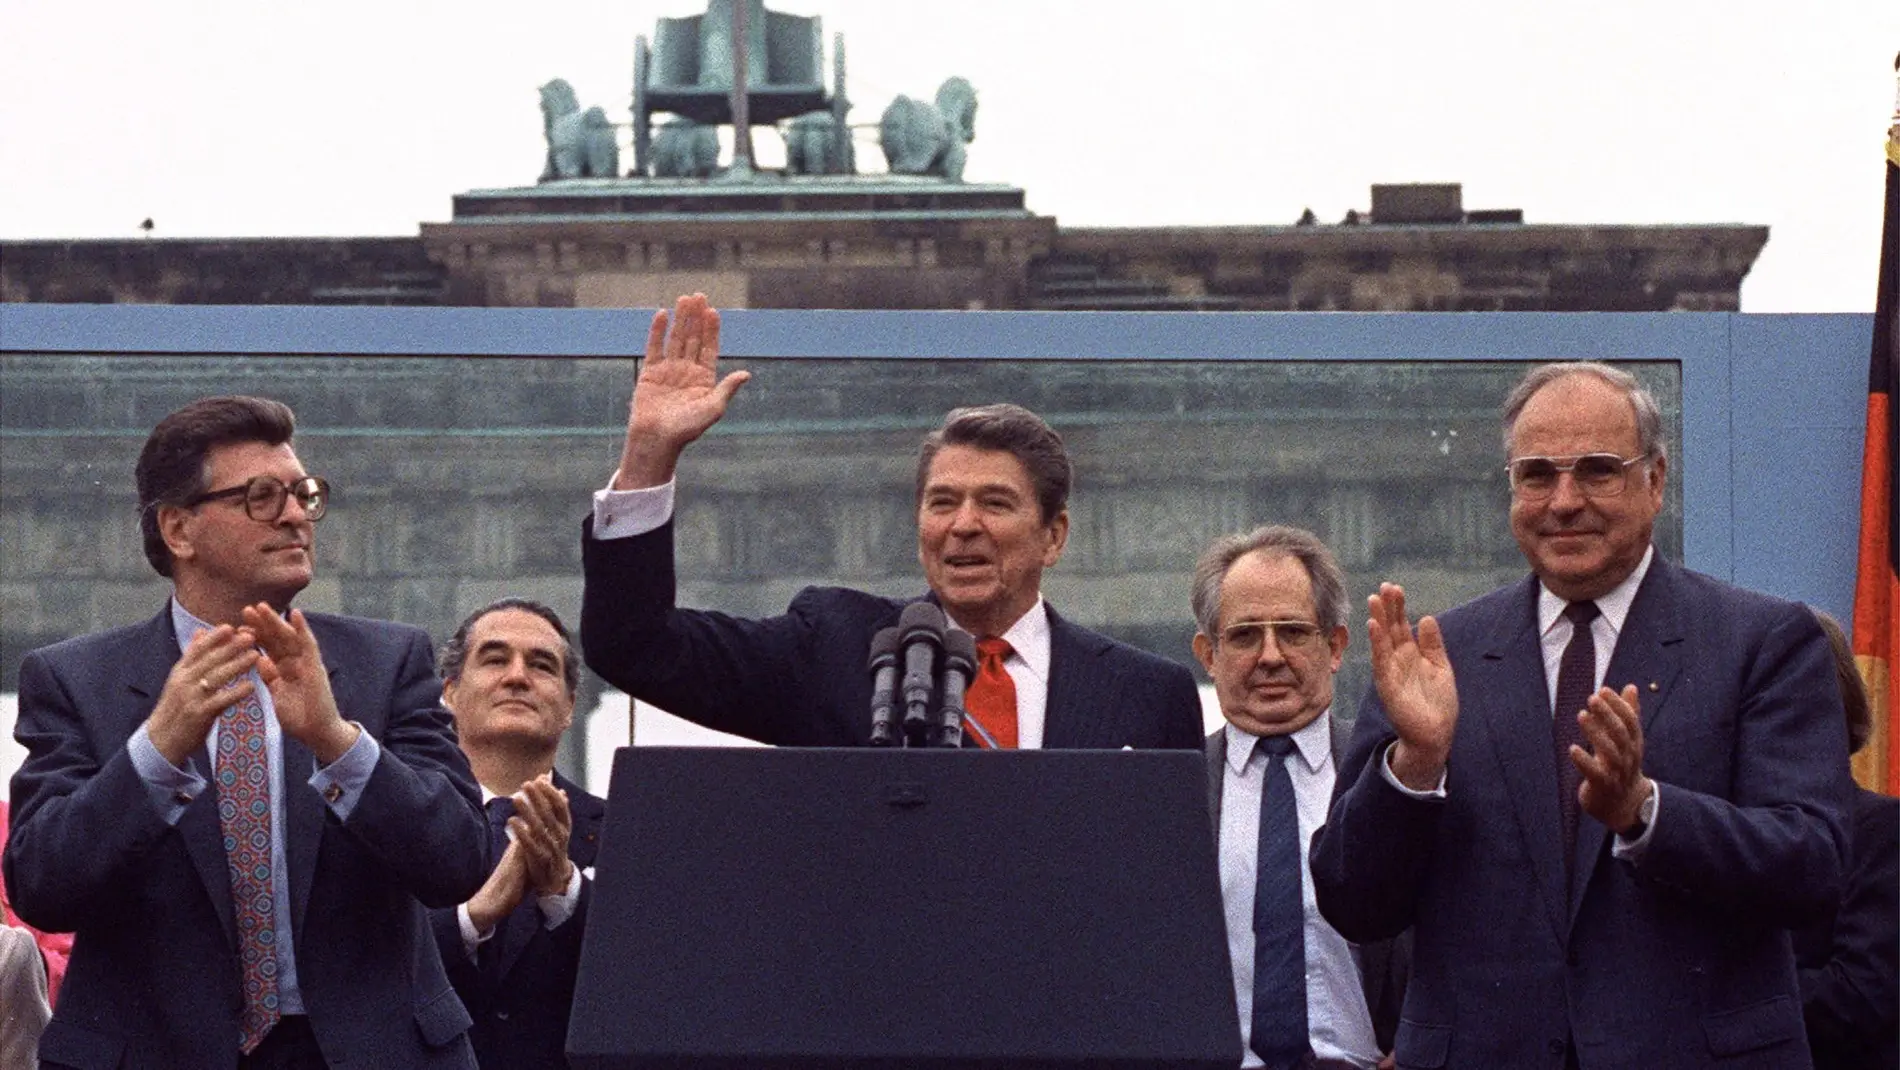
500, 809
991, 698
1278, 1035
244, 816
1576, 681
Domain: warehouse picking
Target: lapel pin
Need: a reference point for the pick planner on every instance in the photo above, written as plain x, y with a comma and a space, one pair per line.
1654, 686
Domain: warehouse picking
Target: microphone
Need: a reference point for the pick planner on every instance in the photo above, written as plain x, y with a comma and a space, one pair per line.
959, 668
920, 631
884, 689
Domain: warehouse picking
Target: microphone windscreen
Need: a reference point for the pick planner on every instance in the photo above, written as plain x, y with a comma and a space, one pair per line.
960, 647
920, 619
884, 646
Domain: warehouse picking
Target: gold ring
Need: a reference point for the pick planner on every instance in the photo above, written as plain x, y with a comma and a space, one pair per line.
205, 685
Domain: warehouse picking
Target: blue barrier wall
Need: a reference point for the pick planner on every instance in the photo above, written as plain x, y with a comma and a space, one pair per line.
1772, 406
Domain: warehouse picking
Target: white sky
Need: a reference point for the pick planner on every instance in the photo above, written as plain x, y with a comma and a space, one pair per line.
351, 117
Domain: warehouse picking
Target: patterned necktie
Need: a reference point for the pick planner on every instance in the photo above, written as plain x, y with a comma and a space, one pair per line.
244, 816
1576, 681
1278, 1034
991, 698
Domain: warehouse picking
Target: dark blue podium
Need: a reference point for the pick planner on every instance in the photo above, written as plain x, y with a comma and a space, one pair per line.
943, 910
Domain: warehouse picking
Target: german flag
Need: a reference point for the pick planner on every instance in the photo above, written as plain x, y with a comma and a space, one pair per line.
1877, 588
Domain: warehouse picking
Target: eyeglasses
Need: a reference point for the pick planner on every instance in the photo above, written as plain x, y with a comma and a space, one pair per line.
1248, 636
264, 497
1597, 475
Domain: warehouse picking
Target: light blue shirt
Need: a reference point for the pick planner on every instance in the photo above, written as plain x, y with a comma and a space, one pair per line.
172, 789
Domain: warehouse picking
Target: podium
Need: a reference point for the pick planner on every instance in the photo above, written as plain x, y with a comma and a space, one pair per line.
940, 910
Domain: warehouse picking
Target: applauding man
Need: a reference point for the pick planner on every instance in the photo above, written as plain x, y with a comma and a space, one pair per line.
242, 810
1600, 796
509, 675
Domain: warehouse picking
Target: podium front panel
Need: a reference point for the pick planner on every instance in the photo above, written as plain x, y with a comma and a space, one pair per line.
910, 908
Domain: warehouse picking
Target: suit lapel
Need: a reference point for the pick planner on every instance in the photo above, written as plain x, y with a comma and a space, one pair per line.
1216, 779
198, 827
1648, 654
1070, 716
1515, 714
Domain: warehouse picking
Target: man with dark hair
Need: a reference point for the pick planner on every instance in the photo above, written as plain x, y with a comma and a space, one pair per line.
992, 514
1599, 797
1270, 609
512, 951
242, 810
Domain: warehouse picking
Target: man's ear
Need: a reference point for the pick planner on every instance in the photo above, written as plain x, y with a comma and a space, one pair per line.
1058, 538
1204, 652
174, 527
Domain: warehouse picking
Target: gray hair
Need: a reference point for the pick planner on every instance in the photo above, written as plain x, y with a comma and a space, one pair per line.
1322, 568
1649, 426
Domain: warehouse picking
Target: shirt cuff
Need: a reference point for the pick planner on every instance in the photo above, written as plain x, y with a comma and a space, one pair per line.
1385, 770
622, 514
470, 938
556, 909
170, 788
1632, 850
341, 782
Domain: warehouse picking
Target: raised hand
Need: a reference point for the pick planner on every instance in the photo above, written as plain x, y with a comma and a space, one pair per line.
292, 668
1415, 683
678, 394
541, 826
208, 678
1614, 786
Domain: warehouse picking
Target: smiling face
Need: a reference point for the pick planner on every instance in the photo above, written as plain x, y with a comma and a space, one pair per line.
512, 688
982, 539
221, 558
1580, 546
1271, 689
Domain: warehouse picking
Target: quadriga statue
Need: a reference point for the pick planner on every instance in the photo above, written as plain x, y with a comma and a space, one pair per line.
927, 139
809, 139
685, 149
581, 144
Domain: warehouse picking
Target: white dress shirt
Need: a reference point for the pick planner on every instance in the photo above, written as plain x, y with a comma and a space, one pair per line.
622, 514
1338, 1025
555, 909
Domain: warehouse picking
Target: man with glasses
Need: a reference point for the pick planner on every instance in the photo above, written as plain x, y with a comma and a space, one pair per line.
1271, 610
242, 810
1600, 796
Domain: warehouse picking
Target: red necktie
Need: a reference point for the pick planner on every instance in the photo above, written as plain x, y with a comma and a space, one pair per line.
991, 699
244, 815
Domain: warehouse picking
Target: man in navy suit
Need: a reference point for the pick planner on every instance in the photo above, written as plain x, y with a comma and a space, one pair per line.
509, 675
242, 810
1601, 796
992, 514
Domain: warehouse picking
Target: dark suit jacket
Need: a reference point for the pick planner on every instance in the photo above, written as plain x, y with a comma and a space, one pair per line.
520, 994
1383, 965
801, 679
1850, 963
154, 978
1678, 959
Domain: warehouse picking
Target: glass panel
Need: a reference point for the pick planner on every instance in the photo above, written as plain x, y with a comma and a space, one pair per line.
458, 480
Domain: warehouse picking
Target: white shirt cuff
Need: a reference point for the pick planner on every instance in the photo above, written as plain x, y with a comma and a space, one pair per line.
556, 909
1385, 770
470, 938
1632, 850
622, 514
341, 782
